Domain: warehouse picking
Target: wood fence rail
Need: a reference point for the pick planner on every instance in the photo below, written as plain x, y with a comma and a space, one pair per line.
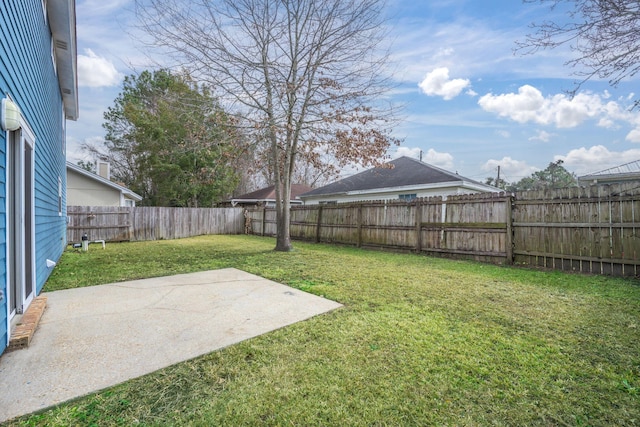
587, 229
114, 224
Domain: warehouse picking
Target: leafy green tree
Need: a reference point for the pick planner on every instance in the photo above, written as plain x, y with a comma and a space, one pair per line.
169, 140
554, 176
87, 165
496, 182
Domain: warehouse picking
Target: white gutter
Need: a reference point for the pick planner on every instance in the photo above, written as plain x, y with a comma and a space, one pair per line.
62, 21
409, 188
236, 201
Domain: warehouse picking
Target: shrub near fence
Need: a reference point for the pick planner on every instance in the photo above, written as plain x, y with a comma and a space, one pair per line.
589, 229
114, 224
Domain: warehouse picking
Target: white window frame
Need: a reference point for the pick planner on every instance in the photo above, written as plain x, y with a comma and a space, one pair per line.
407, 197
53, 56
25, 136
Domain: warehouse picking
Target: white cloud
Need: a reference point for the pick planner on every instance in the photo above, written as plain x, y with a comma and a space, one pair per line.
521, 107
542, 135
102, 7
504, 133
634, 135
560, 110
473, 46
584, 161
442, 160
510, 169
437, 83
407, 152
97, 71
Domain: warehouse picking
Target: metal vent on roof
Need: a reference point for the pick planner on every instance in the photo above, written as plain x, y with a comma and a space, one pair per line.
62, 45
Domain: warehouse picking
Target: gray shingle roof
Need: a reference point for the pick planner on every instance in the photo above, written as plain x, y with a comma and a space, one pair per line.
405, 172
269, 193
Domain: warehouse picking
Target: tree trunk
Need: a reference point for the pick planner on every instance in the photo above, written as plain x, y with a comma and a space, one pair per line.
283, 216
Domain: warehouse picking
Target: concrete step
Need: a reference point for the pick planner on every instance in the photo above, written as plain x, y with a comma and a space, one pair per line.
23, 332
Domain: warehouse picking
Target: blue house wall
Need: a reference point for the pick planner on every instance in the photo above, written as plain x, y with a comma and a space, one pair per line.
28, 76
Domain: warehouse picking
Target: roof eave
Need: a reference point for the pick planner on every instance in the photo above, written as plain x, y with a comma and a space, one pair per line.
481, 187
62, 20
103, 180
415, 187
297, 199
131, 195
618, 176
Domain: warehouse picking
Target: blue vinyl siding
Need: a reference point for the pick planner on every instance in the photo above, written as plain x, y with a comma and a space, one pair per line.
27, 74
3, 243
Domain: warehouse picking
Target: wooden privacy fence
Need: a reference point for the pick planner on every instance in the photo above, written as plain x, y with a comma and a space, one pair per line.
114, 224
470, 225
589, 229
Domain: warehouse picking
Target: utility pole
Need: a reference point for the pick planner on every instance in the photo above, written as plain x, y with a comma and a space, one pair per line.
498, 178
420, 155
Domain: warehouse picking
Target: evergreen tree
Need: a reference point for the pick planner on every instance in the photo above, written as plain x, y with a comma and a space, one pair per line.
169, 140
554, 176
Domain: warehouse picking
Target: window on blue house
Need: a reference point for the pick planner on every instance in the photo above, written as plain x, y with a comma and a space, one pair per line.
407, 197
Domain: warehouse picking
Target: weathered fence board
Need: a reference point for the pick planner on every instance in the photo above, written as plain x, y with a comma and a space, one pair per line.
588, 229
474, 226
99, 223
150, 223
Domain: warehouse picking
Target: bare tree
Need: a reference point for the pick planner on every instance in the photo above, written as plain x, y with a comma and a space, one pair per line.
307, 74
604, 34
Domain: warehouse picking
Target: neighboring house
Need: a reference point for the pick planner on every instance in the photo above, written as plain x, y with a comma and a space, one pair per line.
407, 179
38, 85
623, 173
86, 188
266, 197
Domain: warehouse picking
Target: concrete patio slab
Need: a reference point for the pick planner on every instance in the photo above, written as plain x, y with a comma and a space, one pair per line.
95, 337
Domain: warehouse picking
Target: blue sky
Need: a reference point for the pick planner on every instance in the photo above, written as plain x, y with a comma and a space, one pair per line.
470, 103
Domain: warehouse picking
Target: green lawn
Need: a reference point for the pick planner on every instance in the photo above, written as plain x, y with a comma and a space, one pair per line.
420, 341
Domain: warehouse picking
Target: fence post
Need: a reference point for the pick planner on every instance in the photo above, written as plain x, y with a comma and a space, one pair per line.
130, 218
509, 221
443, 220
418, 208
319, 224
264, 219
359, 225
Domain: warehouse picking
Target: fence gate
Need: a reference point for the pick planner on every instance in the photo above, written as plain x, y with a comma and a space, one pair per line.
107, 223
